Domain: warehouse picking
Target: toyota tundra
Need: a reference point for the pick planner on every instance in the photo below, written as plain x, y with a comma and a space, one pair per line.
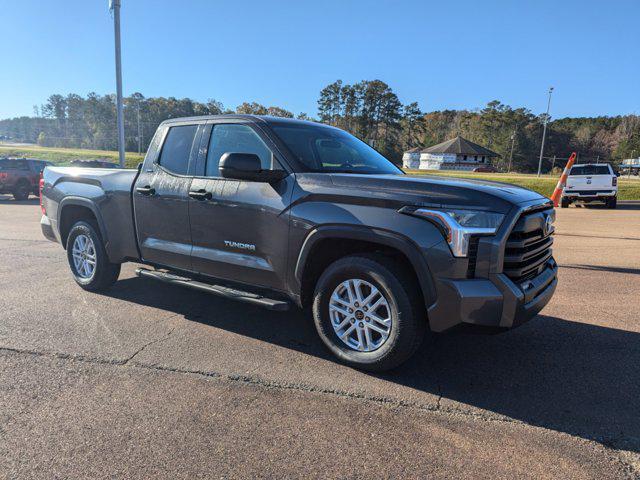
280, 212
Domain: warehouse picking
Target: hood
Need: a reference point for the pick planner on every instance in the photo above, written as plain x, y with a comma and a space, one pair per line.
435, 190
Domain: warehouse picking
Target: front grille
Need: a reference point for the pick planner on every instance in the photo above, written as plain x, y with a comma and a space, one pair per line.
473, 256
528, 248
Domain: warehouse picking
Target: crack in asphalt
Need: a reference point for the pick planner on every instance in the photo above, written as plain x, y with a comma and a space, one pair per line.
610, 444
152, 342
24, 240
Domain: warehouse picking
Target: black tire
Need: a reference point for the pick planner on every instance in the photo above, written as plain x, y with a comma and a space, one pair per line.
21, 191
612, 202
564, 202
105, 273
405, 307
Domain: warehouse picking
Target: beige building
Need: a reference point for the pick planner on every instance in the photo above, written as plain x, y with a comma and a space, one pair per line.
455, 154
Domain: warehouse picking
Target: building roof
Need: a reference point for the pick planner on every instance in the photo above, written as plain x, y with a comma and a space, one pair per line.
460, 146
413, 150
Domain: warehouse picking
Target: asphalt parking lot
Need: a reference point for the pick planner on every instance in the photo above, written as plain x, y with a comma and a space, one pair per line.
150, 380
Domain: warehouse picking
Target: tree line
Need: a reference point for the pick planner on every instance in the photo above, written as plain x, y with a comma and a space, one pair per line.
369, 109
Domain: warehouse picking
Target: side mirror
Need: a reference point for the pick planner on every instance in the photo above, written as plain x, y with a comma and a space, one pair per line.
247, 166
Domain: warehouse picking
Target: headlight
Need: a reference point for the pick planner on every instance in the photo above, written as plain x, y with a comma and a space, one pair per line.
459, 226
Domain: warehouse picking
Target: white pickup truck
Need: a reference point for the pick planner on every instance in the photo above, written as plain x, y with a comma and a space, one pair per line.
589, 183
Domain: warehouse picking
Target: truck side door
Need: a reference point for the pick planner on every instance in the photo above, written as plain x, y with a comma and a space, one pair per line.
161, 197
240, 228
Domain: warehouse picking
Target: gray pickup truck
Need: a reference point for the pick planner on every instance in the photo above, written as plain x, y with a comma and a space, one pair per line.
277, 212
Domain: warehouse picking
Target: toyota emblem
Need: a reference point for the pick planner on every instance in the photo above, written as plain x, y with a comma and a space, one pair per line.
547, 227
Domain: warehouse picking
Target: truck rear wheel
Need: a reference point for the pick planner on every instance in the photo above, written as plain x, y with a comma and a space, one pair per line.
367, 312
612, 202
21, 191
564, 202
88, 259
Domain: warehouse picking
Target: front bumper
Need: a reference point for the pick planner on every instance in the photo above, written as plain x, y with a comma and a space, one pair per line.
491, 302
513, 277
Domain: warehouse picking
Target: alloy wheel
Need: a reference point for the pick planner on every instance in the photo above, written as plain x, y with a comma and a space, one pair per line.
360, 315
84, 256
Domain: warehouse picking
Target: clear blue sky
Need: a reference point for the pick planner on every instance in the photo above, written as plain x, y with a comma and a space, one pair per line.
441, 54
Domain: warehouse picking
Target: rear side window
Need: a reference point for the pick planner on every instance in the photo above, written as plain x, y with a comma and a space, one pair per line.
590, 170
177, 149
235, 138
9, 164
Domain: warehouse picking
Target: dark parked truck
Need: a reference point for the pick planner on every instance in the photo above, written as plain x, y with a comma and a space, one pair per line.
19, 176
278, 212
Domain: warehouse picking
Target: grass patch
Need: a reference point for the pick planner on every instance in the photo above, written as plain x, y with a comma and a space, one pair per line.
63, 156
629, 189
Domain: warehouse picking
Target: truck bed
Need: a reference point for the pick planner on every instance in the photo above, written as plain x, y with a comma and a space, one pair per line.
106, 192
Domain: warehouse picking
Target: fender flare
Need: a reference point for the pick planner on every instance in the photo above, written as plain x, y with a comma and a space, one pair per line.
82, 202
374, 235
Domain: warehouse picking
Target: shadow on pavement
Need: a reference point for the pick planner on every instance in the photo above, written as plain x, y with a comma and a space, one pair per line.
598, 268
622, 205
9, 200
562, 375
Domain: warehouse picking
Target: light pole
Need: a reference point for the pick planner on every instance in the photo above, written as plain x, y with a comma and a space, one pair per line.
114, 6
513, 141
544, 130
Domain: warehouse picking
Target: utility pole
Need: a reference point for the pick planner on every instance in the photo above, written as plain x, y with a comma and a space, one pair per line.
513, 141
544, 131
114, 6
139, 130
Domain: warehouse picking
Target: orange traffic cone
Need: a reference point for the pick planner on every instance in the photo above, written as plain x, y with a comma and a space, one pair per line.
557, 193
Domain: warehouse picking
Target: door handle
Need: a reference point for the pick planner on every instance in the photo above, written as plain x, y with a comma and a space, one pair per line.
201, 194
146, 190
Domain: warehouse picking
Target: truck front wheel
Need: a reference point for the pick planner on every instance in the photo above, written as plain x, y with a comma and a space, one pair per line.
368, 312
88, 259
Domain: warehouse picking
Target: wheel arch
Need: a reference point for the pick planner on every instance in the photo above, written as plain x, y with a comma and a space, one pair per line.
74, 209
326, 244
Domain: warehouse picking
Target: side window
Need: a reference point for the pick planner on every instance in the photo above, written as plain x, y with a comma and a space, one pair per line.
177, 148
236, 138
22, 165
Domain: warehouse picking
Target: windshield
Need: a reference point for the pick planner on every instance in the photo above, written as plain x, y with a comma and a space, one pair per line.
330, 150
590, 170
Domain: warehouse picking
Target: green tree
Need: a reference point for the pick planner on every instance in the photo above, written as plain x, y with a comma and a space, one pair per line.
252, 108
279, 112
330, 103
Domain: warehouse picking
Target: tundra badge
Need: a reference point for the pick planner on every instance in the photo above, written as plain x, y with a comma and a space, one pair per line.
241, 246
